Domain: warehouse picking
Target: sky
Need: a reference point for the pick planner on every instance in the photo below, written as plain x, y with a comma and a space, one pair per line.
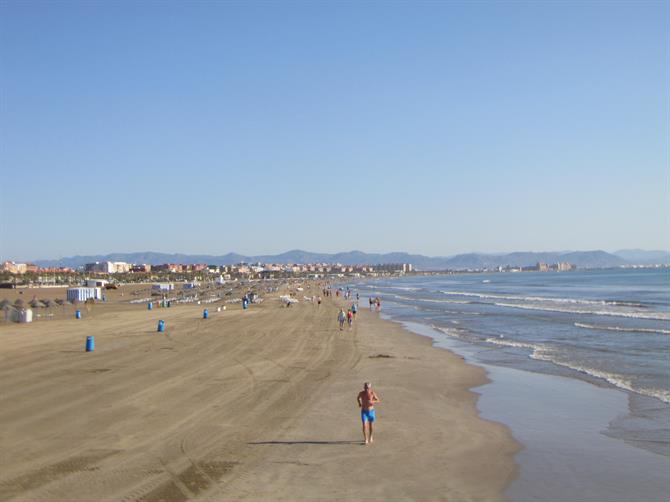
257, 127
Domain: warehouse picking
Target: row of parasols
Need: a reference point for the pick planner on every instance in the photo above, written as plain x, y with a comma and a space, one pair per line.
34, 303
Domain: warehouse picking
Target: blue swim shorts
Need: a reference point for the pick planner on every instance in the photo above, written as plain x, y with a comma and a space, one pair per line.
368, 415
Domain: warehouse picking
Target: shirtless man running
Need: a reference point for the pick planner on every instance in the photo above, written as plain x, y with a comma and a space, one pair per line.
367, 398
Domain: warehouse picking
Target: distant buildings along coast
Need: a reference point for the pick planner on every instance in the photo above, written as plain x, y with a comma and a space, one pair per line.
23, 273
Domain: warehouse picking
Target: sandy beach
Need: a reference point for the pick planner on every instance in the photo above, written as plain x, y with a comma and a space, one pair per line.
245, 405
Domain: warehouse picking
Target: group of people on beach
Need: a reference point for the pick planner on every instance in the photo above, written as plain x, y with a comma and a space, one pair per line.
347, 316
376, 303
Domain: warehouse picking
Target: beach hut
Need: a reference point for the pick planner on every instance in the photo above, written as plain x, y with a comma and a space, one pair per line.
83, 294
162, 287
96, 283
25, 315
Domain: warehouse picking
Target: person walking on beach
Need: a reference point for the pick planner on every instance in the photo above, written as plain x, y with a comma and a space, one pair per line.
367, 399
370, 300
354, 309
350, 318
341, 317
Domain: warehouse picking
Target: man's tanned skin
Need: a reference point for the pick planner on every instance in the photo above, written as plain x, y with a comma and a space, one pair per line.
367, 398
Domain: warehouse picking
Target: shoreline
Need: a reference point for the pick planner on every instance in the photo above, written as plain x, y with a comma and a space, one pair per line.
244, 405
562, 424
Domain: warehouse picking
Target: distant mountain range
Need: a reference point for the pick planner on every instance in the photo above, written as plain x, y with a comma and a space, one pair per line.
583, 259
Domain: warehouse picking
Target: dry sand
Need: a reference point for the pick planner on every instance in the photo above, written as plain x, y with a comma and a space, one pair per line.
246, 405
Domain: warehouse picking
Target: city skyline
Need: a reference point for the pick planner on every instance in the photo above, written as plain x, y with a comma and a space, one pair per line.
433, 129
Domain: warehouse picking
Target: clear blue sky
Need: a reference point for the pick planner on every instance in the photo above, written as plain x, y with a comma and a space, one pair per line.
436, 128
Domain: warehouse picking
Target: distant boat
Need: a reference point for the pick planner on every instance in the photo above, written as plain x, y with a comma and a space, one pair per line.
486, 281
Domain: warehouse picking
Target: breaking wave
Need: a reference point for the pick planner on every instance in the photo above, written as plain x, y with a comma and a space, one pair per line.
545, 353
492, 296
660, 316
625, 330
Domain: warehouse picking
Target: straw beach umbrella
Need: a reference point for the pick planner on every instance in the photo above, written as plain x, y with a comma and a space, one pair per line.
19, 303
36, 304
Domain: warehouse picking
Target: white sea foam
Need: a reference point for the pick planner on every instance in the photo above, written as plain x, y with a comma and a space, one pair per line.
620, 328
430, 300
452, 332
578, 301
660, 316
613, 378
512, 343
401, 288
544, 353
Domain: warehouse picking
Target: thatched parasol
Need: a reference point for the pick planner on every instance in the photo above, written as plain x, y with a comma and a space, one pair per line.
48, 303
19, 303
36, 304
4, 303
60, 301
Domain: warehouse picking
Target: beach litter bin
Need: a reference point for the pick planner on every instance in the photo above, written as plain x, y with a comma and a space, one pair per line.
150, 306
169, 303
205, 314
161, 326
245, 304
77, 314
90, 344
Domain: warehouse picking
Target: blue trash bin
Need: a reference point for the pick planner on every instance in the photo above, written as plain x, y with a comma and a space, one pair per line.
161, 326
205, 314
150, 306
77, 314
90, 344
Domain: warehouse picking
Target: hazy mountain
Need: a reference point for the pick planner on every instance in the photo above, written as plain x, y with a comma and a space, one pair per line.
583, 259
642, 257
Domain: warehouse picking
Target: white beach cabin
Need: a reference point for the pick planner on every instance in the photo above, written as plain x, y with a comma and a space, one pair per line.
82, 294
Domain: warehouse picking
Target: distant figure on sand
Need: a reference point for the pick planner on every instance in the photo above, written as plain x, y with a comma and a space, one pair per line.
366, 402
341, 317
350, 318
354, 309
371, 302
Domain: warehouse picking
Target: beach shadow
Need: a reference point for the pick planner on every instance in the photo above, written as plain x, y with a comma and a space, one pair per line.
304, 442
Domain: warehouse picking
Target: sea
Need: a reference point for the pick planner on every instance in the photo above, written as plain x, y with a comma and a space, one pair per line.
598, 343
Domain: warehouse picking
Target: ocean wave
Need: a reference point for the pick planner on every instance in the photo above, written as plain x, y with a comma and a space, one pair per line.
545, 353
452, 332
512, 343
626, 330
615, 379
659, 316
401, 288
577, 301
430, 300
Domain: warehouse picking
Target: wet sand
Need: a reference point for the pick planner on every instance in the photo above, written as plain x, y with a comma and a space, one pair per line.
245, 405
